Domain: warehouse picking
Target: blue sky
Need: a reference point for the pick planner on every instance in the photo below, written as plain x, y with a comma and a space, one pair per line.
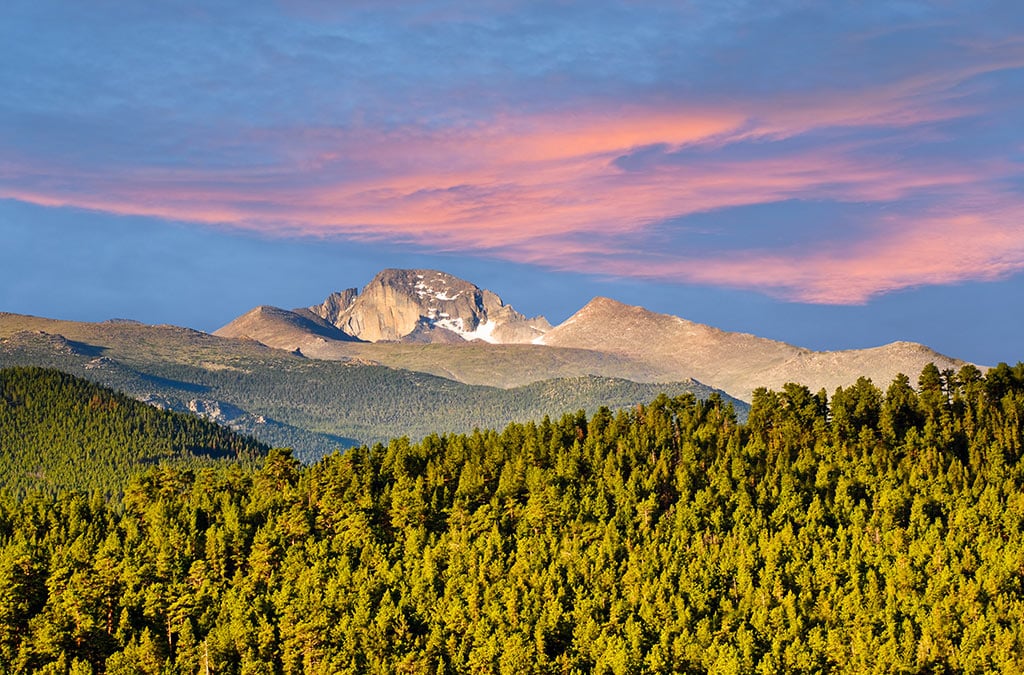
832, 174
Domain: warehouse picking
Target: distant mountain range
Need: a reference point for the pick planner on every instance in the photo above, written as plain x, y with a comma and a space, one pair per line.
314, 406
605, 337
421, 351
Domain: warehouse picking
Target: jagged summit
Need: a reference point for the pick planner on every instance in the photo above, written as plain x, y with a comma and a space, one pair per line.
426, 306
336, 304
398, 305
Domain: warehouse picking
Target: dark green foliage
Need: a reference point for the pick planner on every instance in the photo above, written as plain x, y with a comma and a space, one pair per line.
60, 432
861, 533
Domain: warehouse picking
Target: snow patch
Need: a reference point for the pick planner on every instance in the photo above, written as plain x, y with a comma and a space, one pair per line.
456, 325
484, 331
423, 290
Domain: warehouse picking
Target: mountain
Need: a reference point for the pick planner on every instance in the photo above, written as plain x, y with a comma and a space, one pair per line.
312, 378
734, 362
315, 406
59, 432
292, 331
401, 308
426, 306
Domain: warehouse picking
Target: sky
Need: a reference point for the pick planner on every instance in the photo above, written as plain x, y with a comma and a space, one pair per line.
835, 175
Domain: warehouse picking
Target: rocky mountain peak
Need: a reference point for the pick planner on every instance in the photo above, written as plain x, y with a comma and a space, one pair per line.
335, 305
417, 305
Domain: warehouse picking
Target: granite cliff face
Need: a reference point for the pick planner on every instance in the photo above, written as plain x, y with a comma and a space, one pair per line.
426, 306
335, 305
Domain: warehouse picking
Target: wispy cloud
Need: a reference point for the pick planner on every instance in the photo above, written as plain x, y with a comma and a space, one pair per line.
580, 178
903, 254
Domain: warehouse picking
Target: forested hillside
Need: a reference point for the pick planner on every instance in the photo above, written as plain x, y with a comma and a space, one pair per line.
868, 531
312, 406
61, 432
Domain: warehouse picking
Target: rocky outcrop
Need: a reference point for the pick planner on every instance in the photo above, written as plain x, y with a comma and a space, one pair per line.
336, 304
426, 306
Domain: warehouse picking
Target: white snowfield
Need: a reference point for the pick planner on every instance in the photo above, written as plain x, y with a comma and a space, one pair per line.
484, 331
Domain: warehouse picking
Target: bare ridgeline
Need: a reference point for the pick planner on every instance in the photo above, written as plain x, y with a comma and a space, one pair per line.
606, 337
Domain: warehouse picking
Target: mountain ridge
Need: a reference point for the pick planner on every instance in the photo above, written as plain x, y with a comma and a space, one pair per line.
735, 362
316, 406
604, 337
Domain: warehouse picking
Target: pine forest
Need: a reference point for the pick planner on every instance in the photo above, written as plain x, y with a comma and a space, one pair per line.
870, 530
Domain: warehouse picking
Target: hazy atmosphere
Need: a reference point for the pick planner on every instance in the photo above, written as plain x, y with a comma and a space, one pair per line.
834, 176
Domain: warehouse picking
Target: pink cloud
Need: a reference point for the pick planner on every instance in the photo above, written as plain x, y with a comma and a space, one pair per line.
909, 252
537, 187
